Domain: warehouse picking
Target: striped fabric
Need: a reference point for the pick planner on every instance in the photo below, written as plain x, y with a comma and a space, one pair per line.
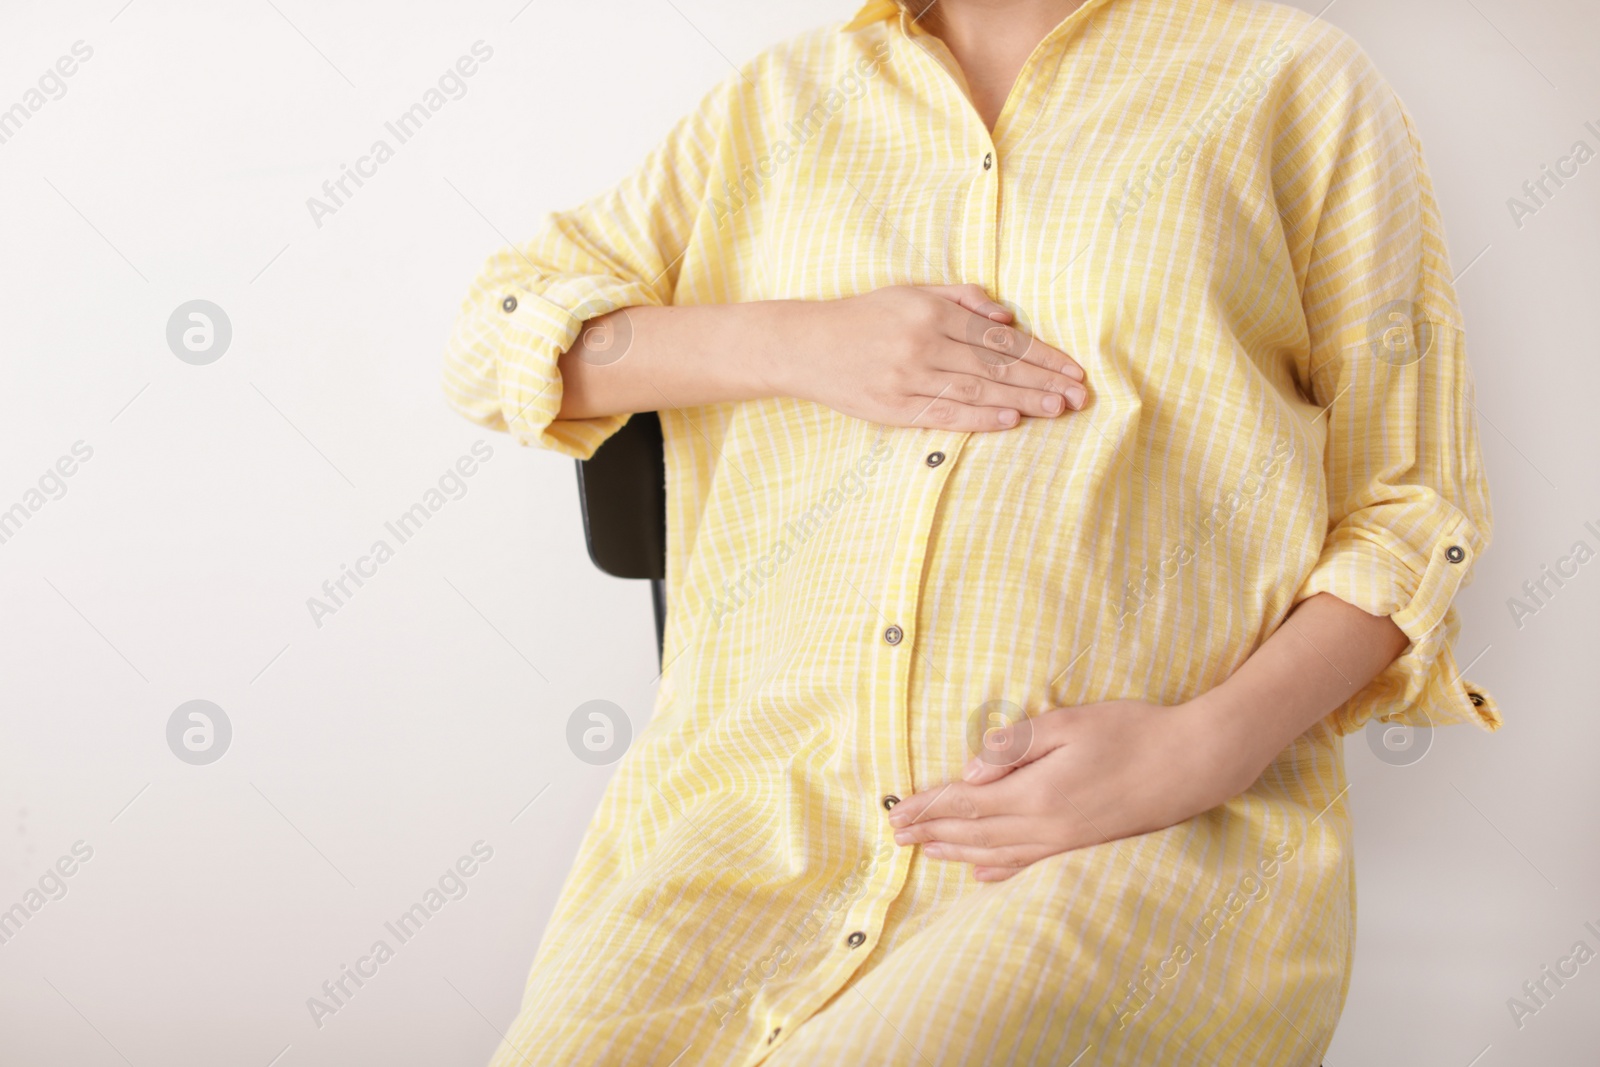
1221, 210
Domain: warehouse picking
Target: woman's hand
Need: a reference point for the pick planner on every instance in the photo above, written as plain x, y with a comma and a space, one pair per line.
1079, 776
940, 357
1087, 775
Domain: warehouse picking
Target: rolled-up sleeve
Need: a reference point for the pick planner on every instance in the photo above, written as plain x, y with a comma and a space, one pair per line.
1408, 505
529, 303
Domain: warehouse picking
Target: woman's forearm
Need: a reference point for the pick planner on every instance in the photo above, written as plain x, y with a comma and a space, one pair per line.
932, 356
1078, 776
1324, 653
649, 358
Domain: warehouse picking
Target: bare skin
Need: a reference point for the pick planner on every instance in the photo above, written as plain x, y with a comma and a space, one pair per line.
900, 356
991, 40
933, 357
1099, 772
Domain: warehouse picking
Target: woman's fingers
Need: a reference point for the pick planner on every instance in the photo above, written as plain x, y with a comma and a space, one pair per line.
968, 402
963, 800
979, 391
1040, 384
981, 771
984, 350
992, 831
942, 413
1002, 856
1003, 344
988, 328
974, 299
1009, 746
940, 329
911, 362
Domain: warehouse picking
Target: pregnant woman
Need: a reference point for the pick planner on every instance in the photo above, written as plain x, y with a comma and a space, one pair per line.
1068, 439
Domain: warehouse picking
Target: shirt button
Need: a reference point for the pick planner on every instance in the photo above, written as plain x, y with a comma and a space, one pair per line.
776, 1030
891, 800
988, 160
1455, 554
509, 303
1476, 698
893, 635
935, 458
856, 940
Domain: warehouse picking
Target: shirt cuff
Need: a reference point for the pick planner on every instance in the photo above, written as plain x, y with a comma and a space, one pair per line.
538, 329
1423, 687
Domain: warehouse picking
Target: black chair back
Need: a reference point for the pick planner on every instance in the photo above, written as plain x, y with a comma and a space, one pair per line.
622, 490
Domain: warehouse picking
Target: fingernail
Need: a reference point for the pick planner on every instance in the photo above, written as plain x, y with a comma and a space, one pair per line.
1075, 395
899, 819
902, 837
935, 850
1054, 404
1008, 418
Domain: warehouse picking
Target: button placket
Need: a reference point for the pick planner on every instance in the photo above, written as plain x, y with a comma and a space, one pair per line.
859, 925
886, 725
902, 595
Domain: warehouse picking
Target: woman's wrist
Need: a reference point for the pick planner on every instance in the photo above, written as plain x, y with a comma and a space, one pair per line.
1237, 739
773, 331
1323, 654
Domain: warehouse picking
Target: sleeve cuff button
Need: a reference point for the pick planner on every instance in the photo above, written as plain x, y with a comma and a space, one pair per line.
1455, 554
509, 304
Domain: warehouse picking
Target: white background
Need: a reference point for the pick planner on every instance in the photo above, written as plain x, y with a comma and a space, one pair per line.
371, 752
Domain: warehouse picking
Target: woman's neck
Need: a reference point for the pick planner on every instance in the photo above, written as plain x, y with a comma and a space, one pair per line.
991, 40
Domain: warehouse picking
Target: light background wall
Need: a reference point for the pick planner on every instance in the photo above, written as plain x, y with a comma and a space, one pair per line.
425, 715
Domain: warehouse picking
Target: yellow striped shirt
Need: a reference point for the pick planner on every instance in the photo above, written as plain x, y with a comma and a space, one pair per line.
1221, 210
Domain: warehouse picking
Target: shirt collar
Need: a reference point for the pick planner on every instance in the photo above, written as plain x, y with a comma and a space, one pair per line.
870, 12
878, 10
